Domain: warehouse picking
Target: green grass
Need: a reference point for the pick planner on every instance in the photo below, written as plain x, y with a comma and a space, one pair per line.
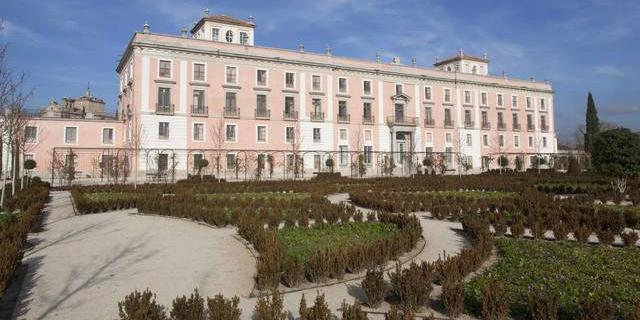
259, 195
570, 271
302, 243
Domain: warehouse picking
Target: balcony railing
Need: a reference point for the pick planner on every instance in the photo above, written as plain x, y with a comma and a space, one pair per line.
290, 115
344, 118
429, 122
469, 124
544, 128
316, 116
165, 109
262, 113
502, 126
197, 110
368, 119
402, 121
531, 127
516, 127
448, 123
232, 112
486, 125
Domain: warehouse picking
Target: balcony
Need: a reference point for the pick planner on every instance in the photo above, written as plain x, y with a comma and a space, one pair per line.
262, 113
317, 116
502, 126
344, 118
516, 127
165, 109
469, 124
368, 119
402, 121
232, 112
448, 123
290, 115
199, 111
544, 128
486, 125
429, 123
531, 127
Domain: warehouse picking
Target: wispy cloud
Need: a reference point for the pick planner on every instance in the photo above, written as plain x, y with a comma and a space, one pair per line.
13, 31
608, 71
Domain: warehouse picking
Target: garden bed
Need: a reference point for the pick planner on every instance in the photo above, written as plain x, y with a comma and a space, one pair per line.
571, 272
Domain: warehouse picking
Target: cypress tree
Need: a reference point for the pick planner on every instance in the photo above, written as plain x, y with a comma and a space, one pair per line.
592, 125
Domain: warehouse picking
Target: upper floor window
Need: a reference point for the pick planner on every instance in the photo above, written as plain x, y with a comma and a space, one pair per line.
366, 87
316, 84
261, 77
343, 134
367, 135
447, 95
398, 89
215, 34
289, 80
229, 36
290, 134
244, 38
230, 101
483, 98
500, 100
342, 85
427, 93
316, 135
447, 137
289, 105
107, 135
501, 140
529, 104
544, 142
261, 134
31, 134
514, 101
542, 104
163, 130
232, 75
230, 132
469, 140
198, 132
164, 69
164, 97
71, 135
198, 99
198, 72
516, 141
261, 102
467, 97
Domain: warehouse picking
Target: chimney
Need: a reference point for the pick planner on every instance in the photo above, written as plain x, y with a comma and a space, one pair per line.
206, 12
301, 47
395, 60
328, 51
146, 27
183, 32
251, 19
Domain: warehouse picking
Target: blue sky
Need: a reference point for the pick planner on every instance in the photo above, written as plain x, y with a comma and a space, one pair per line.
579, 45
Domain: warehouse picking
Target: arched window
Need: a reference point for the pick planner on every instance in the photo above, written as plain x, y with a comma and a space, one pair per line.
229, 36
244, 38
449, 68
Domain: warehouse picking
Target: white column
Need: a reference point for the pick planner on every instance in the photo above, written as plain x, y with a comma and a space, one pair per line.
303, 97
182, 83
329, 98
144, 91
418, 132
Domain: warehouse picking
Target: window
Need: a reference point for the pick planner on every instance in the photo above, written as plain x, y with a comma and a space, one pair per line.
231, 161
530, 121
542, 104
164, 69
197, 157
428, 113
501, 140
289, 105
368, 154
316, 83
164, 97
366, 87
544, 142
367, 135
107, 135
447, 116
71, 135
230, 101
163, 130
427, 93
198, 72
261, 77
543, 122
467, 97
317, 161
31, 134
342, 109
215, 34
483, 98
467, 118
429, 138
448, 156
232, 75
398, 89
198, 100
290, 134
485, 118
515, 120
514, 101
316, 135
516, 141
447, 95
447, 137
317, 106
343, 134
163, 162
261, 134
500, 100
229, 36
469, 140
342, 85
198, 132
500, 119
366, 110
261, 104
344, 156
289, 80
485, 140
530, 142
244, 38
230, 132
529, 106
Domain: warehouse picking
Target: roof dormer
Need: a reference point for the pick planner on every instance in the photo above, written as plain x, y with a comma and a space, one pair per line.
223, 28
464, 63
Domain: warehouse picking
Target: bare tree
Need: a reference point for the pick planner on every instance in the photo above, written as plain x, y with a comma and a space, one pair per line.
137, 138
357, 144
217, 132
296, 144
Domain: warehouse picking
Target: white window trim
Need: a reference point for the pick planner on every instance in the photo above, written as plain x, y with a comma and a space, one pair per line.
517, 101
235, 158
444, 95
64, 141
498, 100
321, 84
426, 140
102, 136
256, 77
485, 140
486, 94
193, 71
313, 138
340, 138
346, 85
235, 133
448, 143
219, 33
424, 92
464, 97
364, 137
370, 94
237, 74
170, 68
542, 103
504, 141
514, 141
168, 129
533, 103
204, 131
284, 80
33, 156
37, 139
285, 134
266, 133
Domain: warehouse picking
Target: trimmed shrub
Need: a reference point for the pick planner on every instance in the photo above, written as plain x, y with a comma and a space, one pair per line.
302, 310
221, 308
319, 310
495, 302
453, 296
411, 285
598, 308
542, 305
630, 238
141, 306
606, 237
374, 287
582, 233
353, 312
188, 308
270, 308
406, 313
293, 272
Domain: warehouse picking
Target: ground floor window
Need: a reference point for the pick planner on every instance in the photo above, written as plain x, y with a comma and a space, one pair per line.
231, 161
368, 154
344, 155
317, 161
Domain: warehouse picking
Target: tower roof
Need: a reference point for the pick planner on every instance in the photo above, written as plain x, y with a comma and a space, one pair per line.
223, 19
462, 56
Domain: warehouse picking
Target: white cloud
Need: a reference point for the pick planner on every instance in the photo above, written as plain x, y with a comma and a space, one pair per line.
608, 71
13, 31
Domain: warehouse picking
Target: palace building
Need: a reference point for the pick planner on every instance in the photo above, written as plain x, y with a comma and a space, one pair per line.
216, 95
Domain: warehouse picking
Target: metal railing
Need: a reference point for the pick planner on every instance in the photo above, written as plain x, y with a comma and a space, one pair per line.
429, 122
291, 115
469, 124
344, 118
448, 123
262, 113
232, 112
197, 110
368, 119
486, 125
402, 121
165, 109
316, 116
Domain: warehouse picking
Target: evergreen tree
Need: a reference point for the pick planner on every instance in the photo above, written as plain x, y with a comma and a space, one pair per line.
592, 125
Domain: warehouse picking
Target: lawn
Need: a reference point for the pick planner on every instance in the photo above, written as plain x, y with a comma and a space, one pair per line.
572, 272
301, 243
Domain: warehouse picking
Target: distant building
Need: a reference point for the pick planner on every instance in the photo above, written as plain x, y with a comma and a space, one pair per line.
84, 107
